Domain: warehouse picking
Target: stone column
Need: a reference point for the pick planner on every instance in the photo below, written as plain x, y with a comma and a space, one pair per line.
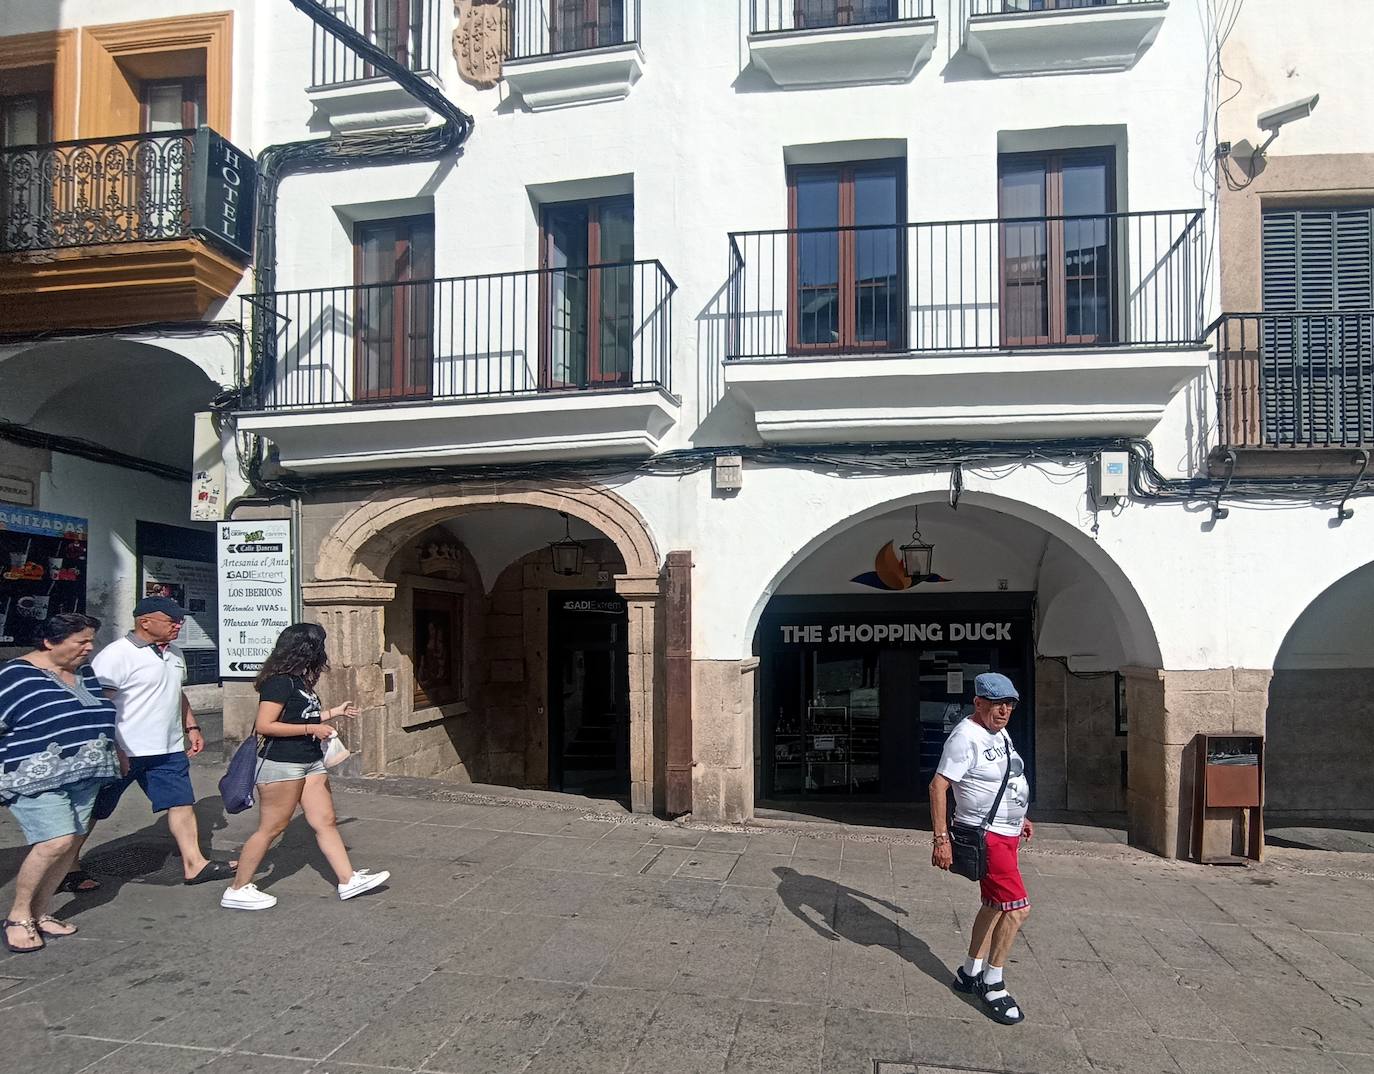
1166, 711
677, 614
641, 593
353, 613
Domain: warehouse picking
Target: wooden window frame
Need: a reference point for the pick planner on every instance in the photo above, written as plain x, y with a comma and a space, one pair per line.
193, 96
596, 377
402, 300
842, 15
847, 283
402, 11
1056, 275
44, 100
590, 25
48, 58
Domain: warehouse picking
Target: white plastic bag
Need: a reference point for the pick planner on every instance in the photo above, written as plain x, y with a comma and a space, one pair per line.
336, 753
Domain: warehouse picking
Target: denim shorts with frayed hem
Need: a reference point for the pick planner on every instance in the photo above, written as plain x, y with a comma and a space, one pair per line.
54, 814
281, 771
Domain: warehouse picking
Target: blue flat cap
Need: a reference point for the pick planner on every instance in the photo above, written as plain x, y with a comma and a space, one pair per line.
994, 687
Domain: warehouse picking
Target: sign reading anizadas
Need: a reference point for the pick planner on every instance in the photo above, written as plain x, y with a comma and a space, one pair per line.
255, 590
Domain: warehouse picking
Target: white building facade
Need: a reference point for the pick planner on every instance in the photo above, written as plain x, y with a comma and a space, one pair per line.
748, 291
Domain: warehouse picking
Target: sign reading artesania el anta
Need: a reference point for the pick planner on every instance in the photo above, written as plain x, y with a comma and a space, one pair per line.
255, 589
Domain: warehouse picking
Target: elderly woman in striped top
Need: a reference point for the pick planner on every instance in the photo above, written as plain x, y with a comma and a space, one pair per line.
56, 751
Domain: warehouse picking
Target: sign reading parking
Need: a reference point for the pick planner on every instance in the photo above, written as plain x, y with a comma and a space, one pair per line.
255, 587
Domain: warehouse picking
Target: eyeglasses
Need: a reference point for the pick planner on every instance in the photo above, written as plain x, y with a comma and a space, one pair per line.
1010, 702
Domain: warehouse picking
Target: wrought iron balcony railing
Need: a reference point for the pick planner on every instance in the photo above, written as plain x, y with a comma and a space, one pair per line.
515, 333
1295, 380
95, 191
1021, 7
406, 30
772, 16
1110, 280
553, 27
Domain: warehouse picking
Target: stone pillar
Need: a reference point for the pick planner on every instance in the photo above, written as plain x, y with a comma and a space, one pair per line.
677, 614
353, 614
723, 739
1166, 711
641, 593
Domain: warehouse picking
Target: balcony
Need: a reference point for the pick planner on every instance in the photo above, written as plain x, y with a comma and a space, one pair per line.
1069, 326
800, 43
108, 231
1290, 384
1017, 37
570, 52
553, 363
347, 92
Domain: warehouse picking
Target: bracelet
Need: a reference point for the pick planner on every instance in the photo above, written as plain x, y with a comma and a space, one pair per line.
941, 837
190, 729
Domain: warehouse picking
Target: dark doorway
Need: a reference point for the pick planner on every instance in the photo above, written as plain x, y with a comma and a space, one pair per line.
589, 694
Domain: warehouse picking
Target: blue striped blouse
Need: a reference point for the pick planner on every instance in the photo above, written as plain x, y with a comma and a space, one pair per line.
51, 733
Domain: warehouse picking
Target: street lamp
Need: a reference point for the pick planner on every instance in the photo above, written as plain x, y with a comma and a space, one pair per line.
567, 553
916, 553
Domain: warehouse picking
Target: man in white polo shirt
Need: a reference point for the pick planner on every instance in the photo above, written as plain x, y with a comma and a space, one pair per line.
143, 672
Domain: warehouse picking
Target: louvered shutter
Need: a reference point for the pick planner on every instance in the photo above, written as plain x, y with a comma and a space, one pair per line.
1317, 368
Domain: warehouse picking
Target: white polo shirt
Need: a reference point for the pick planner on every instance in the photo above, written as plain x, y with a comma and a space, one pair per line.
147, 681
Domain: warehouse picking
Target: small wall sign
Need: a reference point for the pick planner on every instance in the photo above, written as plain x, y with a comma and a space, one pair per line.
16, 490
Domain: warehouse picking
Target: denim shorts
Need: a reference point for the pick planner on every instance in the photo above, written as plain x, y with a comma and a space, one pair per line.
281, 771
164, 777
54, 814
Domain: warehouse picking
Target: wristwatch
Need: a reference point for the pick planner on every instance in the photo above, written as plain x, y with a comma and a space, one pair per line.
941, 837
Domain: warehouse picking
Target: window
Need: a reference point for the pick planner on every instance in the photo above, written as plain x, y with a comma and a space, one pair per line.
393, 316
588, 293
582, 24
1010, 6
846, 257
1058, 247
437, 621
394, 27
26, 119
809, 14
171, 104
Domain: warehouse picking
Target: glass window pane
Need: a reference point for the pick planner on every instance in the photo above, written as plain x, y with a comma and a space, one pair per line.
163, 103
1023, 188
1085, 187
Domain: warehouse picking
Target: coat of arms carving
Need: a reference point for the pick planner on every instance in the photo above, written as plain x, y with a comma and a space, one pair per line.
479, 42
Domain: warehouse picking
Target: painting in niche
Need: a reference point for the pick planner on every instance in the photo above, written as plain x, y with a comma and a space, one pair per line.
438, 647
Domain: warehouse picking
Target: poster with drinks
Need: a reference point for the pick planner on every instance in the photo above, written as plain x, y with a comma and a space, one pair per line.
42, 570
255, 593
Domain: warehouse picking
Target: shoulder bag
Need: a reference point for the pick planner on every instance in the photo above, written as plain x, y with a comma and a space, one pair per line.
967, 842
239, 781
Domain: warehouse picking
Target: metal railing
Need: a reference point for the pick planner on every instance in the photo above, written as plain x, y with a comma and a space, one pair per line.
553, 27
1110, 280
406, 30
1296, 380
773, 16
513, 333
1023, 7
94, 191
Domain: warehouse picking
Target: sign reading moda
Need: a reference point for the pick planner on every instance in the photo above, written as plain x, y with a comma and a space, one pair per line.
255, 590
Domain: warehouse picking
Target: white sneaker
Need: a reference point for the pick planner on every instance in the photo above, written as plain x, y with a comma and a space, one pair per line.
363, 880
247, 897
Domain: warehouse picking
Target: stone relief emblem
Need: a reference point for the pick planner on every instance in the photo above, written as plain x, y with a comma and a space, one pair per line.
479, 42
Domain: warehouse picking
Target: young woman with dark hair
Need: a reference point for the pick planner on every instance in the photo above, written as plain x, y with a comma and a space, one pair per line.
294, 728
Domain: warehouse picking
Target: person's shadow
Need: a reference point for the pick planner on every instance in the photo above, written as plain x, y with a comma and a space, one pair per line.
850, 917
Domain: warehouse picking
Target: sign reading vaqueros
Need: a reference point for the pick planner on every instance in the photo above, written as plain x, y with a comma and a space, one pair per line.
255, 590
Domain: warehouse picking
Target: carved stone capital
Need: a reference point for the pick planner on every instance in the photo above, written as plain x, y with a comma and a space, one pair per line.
642, 587
348, 591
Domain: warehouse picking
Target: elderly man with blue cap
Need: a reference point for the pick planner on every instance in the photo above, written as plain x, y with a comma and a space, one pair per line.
991, 793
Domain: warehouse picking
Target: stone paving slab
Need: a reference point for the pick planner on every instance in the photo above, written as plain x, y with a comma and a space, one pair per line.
537, 934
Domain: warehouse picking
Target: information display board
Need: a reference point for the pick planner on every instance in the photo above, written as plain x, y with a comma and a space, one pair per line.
255, 588
42, 570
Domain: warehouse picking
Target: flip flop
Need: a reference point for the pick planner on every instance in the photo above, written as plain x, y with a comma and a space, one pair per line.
48, 919
211, 871
31, 926
79, 882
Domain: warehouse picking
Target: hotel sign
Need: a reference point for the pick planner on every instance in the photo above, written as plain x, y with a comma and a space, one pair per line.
224, 189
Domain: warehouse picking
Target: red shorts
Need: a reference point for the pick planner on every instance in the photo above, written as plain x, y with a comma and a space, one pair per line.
1003, 888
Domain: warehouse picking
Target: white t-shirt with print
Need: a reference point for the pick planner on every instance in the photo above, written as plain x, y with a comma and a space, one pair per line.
974, 760
147, 685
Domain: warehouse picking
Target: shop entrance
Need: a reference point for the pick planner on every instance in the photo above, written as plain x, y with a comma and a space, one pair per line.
859, 694
589, 694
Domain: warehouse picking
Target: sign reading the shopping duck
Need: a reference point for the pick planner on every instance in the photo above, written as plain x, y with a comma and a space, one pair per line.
255, 590
942, 628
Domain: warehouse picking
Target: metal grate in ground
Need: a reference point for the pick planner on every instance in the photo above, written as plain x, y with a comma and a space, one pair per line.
131, 862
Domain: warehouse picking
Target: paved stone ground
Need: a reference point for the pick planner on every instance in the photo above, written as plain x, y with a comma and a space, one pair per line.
547, 937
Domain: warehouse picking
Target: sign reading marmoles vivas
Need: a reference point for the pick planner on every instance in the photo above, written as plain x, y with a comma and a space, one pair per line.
255, 589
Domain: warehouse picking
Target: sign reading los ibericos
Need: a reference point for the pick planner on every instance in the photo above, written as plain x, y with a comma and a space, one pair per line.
255, 590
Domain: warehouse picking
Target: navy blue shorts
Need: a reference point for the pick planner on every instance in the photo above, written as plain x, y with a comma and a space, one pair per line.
165, 778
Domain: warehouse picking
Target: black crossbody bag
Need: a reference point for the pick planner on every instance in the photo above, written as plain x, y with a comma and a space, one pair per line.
967, 842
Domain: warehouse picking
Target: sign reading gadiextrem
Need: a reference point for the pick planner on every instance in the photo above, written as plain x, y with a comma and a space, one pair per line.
255, 589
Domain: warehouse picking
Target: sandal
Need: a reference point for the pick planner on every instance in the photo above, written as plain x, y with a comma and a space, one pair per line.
212, 870
969, 986
79, 882
29, 926
48, 919
999, 1010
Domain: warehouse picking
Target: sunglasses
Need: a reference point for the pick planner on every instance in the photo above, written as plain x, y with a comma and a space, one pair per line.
1010, 702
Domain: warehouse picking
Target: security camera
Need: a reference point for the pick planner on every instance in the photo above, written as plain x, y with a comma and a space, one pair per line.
1277, 117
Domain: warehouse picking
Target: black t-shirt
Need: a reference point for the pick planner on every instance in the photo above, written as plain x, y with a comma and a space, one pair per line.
299, 705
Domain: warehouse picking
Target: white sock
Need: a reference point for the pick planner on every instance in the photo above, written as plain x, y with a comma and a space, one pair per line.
992, 975
996, 987
973, 966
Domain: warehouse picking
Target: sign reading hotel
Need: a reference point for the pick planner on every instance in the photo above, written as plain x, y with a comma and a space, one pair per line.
255, 591
224, 191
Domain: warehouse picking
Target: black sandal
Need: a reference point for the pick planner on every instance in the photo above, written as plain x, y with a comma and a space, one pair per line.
79, 882
969, 986
32, 928
997, 1010
212, 870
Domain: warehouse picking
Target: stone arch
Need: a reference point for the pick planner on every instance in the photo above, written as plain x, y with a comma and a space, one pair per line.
362, 543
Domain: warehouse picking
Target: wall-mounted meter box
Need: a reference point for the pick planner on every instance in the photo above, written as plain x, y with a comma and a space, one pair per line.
1111, 472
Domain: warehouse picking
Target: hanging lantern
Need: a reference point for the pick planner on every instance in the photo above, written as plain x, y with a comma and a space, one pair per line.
567, 553
917, 555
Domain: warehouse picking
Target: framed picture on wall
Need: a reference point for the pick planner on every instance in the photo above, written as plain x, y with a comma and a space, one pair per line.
437, 647
1121, 721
